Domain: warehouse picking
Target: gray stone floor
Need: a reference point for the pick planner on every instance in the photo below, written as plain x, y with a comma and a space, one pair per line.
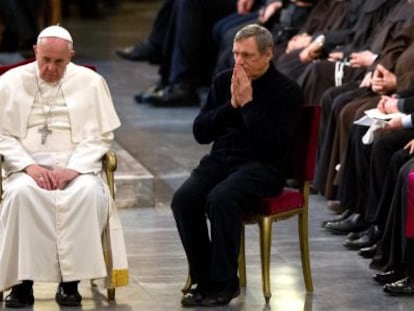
160, 140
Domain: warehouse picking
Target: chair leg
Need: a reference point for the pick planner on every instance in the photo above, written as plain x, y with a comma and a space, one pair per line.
111, 294
304, 251
187, 286
242, 259
1, 296
265, 226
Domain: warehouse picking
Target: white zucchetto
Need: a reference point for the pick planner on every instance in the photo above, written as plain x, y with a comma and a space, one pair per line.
57, 32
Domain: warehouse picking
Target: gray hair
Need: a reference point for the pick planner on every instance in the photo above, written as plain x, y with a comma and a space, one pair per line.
263, 37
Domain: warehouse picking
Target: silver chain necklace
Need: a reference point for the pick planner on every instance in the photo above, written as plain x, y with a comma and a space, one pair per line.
45, 129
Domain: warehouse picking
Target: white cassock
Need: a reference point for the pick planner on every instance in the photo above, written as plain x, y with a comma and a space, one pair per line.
53, 236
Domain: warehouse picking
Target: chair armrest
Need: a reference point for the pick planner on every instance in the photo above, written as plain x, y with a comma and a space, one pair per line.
109, 165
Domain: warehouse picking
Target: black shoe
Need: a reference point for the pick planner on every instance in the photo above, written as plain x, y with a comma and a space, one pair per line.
345, 214
372, 236
401, 287
175, 95
67, 294
192, 298
143, 51
147, 95
388, 277
21, 296
368, 252
356, 235
195, 296
222, 295
354, 222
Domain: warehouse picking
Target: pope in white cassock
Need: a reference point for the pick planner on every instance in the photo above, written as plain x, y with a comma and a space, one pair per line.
56, 123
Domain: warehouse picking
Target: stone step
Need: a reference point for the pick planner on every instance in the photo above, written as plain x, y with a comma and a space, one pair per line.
134, 183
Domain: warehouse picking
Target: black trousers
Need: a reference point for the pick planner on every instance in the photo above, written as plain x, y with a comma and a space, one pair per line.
409, 257
395, 250
189, 50
364, 184
161, 24
332, 102
220, 189
352, 191
388, 157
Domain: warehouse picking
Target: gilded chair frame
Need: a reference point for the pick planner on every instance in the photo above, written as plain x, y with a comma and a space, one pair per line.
265, 224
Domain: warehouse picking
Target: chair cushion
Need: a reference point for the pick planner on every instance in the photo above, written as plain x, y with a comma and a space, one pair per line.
287, 200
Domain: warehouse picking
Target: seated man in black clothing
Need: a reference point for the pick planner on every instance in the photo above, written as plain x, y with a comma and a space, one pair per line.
250, 118
395, 252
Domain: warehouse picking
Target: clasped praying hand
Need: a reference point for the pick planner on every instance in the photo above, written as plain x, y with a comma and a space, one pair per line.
51, 178
241, 87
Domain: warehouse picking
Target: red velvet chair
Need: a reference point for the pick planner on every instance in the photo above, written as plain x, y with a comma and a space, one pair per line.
289, 203
4, 68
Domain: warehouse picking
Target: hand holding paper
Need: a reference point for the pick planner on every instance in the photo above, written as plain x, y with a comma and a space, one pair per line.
388, 104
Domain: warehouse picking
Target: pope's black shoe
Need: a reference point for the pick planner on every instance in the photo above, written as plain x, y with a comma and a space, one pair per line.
142, 51
67, 294
400, 288
21, 296
222, 294
388, 277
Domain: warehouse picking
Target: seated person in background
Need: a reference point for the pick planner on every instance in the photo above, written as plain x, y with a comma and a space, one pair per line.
189, 52
250, 117
151, 49
365, 188
20, 25
340, 104
282, 18
56, 123
333, 19
356, 58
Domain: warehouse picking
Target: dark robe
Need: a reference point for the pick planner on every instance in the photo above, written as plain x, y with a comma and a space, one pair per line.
371, 15
326, 16
397, 57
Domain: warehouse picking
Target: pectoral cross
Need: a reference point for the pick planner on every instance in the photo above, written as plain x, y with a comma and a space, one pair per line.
44, 131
